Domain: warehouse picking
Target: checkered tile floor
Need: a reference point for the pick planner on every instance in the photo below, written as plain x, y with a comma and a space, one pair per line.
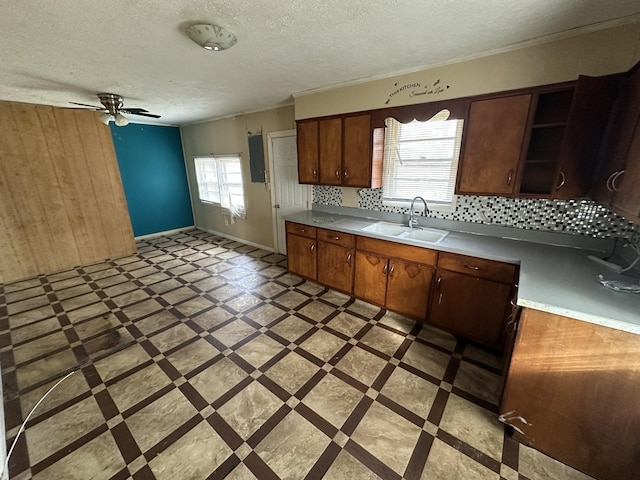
202, 358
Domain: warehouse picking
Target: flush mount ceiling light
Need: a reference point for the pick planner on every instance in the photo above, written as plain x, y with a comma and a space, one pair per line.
211, 37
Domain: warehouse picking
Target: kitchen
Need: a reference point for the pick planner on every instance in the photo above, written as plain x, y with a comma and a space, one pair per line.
590, 54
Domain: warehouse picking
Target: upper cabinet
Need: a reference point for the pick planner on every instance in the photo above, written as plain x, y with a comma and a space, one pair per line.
307, 138
541, 143
330, 151
492, 145
565, 136
618, 182
338, 151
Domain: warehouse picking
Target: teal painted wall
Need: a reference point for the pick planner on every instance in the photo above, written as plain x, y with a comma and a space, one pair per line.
154, 178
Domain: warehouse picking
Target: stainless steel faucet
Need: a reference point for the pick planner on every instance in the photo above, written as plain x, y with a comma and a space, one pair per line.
413, 221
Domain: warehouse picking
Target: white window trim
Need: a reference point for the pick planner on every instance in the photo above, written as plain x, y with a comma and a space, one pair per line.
390, 155
227, 209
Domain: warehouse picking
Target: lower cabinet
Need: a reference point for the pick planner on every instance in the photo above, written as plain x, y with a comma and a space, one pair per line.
408, 288
336, 260
399, 284
471, 297
301, 250
470, 306
301, 256
572, 392
371, 277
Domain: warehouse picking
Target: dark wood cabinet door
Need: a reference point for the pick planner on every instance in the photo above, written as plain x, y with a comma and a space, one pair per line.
307, 138
370, 281
358, 141
592, 100
330, 151
492, 145
335, 266
408, 288
471, 306
618, 137
301, 256
626, 199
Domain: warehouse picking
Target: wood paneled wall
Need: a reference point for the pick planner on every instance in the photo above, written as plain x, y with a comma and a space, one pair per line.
61, 198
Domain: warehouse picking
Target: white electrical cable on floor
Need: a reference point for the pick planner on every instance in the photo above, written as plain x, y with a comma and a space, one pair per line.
22, 427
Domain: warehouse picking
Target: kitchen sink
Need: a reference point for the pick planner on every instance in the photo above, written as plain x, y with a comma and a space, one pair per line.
430, 235
427, 235
384, 228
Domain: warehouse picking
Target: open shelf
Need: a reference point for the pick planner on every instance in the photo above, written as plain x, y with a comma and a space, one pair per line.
538, 178
553, 107
545, 143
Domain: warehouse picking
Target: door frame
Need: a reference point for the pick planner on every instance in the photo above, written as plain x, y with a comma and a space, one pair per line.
271, 182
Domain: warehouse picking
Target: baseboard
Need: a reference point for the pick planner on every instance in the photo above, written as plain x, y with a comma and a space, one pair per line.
165, 233
236, 239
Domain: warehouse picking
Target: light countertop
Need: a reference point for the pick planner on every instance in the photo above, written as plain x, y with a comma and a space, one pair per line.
555, 279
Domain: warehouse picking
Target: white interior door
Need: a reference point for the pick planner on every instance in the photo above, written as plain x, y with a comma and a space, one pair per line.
287, 195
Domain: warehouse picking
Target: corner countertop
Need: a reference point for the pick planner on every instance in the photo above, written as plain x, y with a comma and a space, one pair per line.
555, 279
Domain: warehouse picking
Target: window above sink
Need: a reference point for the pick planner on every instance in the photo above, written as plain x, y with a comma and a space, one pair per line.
421, 159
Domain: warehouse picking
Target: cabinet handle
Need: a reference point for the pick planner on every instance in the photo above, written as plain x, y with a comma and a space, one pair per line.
615, 179
438, 282
471, 267
510, 322
346, 173
315, 173
510, 177
385, 269
312, 248
300, 230
391, 270
349, 259
440, 298
609, 181
337, 173
336, 238
513, 304
562, 181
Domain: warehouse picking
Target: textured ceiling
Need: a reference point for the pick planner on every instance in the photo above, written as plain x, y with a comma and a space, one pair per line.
56, 51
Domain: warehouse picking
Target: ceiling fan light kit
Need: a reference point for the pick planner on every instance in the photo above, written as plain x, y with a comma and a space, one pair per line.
105, 118
211, 37
121, 120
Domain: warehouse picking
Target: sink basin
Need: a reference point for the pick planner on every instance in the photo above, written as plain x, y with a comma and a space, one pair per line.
427, 235
384, 228
430, 235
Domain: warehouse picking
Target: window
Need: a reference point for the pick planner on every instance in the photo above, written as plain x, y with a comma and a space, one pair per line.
421, 159
220, 181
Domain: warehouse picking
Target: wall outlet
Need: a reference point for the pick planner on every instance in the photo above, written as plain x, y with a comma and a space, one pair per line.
226, 222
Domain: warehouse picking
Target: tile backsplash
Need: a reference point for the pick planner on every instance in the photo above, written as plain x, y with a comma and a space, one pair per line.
578, 217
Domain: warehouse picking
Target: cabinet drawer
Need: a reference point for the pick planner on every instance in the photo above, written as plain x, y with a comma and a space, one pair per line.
338, 238
421, 255
302, 230
489, 269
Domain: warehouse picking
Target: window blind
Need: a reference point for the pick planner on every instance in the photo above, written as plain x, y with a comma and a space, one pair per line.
421, 159
219, 180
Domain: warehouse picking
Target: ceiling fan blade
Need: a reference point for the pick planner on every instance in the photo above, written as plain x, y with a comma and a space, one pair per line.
143, 114
90, 106
134, 110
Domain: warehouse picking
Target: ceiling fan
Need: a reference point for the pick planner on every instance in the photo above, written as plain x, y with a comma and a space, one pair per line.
112, 109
